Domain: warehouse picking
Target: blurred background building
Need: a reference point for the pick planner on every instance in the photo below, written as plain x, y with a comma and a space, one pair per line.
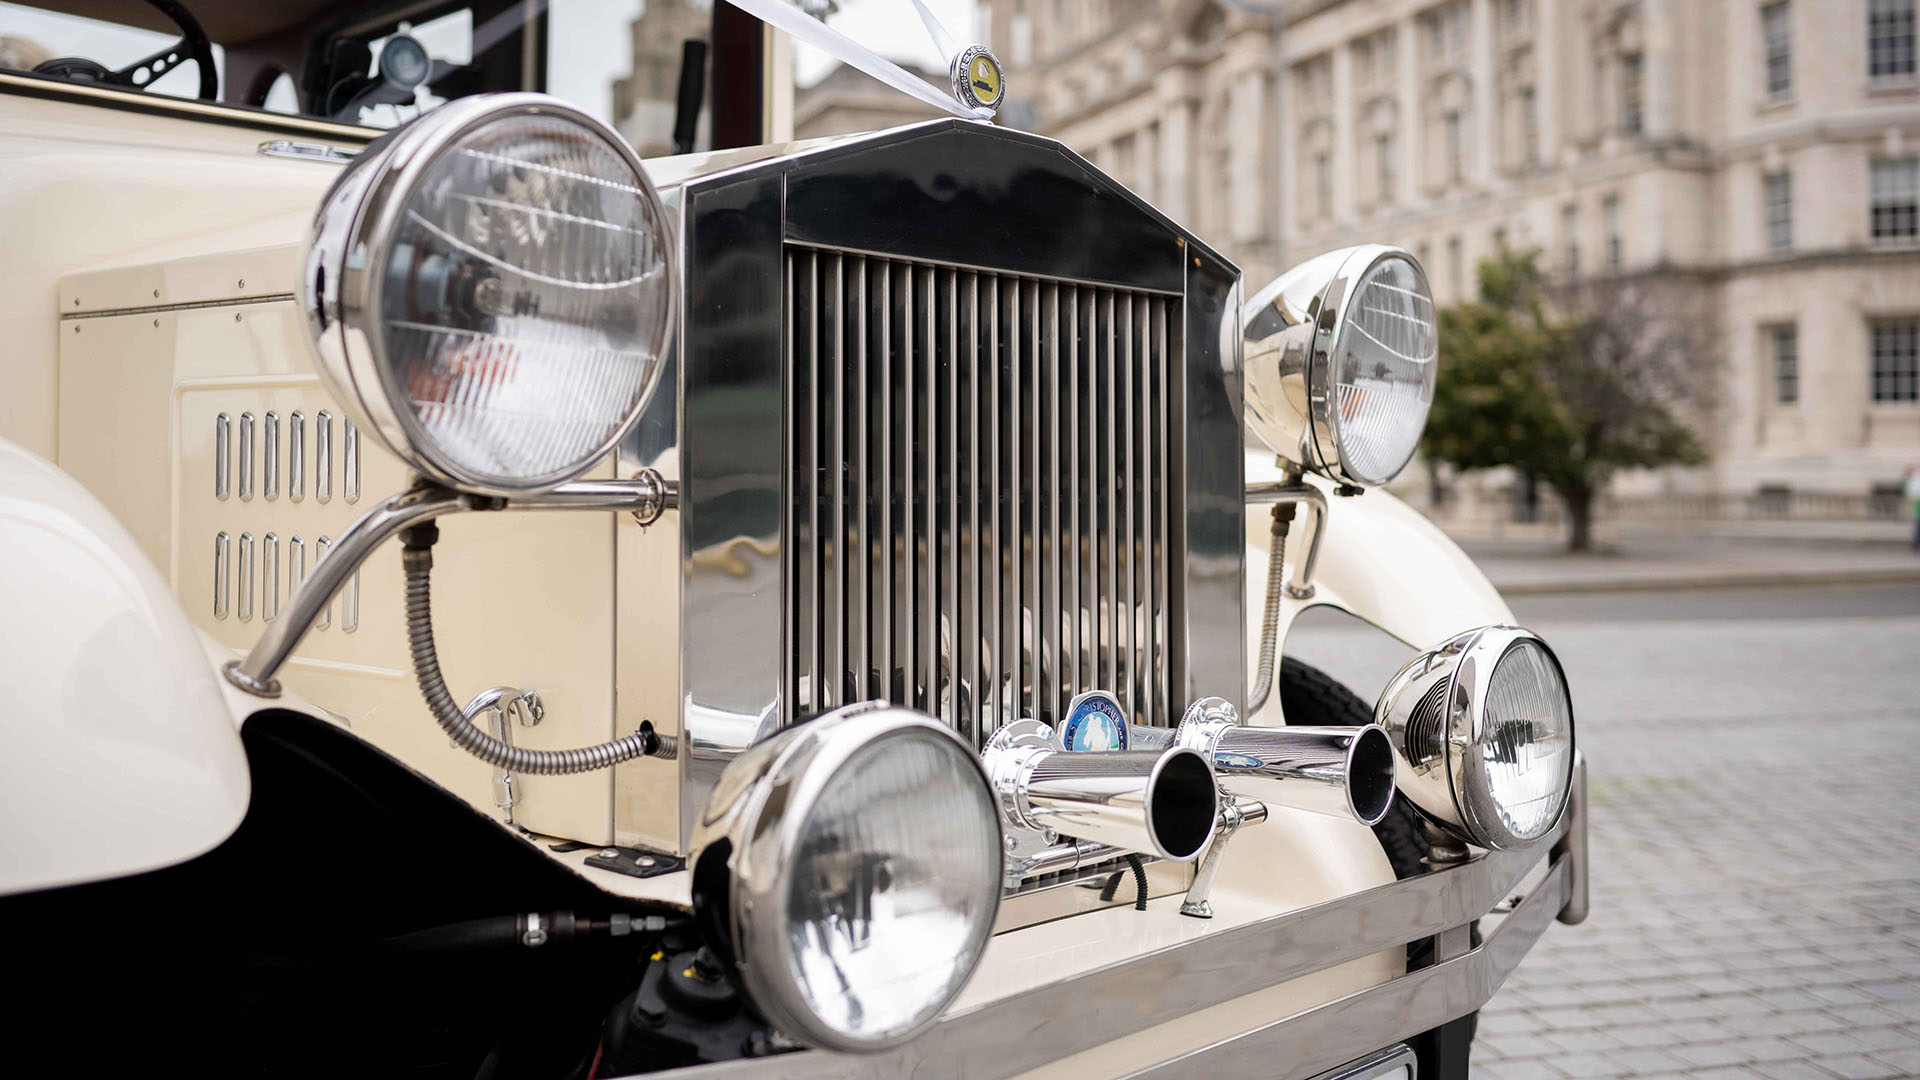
1763, 154
645, 98
847, 100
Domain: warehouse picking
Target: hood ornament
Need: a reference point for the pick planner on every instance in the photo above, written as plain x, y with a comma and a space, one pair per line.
977, 79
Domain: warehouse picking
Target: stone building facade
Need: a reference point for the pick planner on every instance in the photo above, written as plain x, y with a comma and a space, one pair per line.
847, 101
644, 101
1768, 149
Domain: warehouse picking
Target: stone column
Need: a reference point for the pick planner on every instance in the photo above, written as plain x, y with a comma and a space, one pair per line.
1551, 73
1344, 122
1659, 61
1178, 101
1411, 178
1481, 164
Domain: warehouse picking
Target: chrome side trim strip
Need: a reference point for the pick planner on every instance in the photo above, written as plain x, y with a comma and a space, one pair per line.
323, 456
220, 544
222, 436
296, 455
245, 577
320, 549
270, 459
350, 445
246, 457
1048, 1023
270, 575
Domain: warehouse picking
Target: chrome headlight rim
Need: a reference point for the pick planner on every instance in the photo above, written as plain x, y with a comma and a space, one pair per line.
1331, 323
798, 766
345, 274
1452, 789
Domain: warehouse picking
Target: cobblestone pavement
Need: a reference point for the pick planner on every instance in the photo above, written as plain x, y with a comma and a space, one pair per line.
1755, 796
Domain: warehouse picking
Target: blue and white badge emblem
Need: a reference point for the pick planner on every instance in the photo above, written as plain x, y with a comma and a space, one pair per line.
1094, 721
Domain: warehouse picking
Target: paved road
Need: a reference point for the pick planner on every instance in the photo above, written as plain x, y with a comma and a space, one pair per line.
1755, 770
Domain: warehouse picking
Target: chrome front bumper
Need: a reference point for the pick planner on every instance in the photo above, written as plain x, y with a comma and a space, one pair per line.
1012, 1035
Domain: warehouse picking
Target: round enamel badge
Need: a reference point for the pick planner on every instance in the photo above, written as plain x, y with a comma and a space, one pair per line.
977, 78
1094, 721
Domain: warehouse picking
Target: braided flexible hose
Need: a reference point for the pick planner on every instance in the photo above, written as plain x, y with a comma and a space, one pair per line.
1270, 618
426, 669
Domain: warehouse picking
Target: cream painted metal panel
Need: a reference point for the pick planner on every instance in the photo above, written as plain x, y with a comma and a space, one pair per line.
525, 599
1381, 561
139, 184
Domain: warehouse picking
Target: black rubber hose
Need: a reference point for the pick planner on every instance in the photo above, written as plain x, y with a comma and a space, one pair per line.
417, 559
1139, 883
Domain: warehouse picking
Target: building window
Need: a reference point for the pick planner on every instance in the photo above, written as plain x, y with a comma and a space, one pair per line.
1786, 364
1456, 150
1323, 183
1632, 93
1500, 240
1890, 38
1777, 46
1456, 269
1610, 219
1570, 235
1529, 126
1777, 190
1896, 360
1896, 199
1383, 164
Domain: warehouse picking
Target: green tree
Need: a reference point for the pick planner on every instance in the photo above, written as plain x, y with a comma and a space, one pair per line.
1566, 399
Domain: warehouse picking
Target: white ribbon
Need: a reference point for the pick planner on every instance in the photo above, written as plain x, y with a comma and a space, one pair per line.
941, 40
806, 28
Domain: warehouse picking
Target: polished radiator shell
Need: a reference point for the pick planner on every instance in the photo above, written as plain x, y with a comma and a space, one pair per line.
981, 204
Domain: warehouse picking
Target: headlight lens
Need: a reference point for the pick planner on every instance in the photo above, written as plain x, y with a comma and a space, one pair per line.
1526, 742
1382, 371
887, 886
1483, 727
863, 874
493, 291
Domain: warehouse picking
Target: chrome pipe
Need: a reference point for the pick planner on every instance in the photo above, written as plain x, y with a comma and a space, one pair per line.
1315, 500
1161, 803
1338, 771
1066, 855
645, 495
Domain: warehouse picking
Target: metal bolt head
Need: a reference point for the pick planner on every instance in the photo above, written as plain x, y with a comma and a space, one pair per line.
609, 853
643, 860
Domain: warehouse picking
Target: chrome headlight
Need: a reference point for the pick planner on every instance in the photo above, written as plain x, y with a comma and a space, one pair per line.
854, 861
1341, 353
491, 290
1483, 727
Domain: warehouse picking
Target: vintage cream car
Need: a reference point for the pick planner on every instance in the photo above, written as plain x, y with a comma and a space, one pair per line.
852, 643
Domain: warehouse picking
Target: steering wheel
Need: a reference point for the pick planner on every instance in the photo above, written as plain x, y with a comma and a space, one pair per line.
139, 75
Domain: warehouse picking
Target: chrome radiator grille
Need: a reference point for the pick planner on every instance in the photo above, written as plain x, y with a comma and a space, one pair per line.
978, 481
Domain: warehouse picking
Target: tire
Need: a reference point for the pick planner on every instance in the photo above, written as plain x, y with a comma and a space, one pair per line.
1309, 696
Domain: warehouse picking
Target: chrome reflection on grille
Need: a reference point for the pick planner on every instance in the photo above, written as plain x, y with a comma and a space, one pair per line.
977, 521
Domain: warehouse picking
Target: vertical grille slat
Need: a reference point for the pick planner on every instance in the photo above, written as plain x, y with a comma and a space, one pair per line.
977, 508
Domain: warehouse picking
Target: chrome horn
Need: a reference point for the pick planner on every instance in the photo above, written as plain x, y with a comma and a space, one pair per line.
1338, 771
1157, 802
